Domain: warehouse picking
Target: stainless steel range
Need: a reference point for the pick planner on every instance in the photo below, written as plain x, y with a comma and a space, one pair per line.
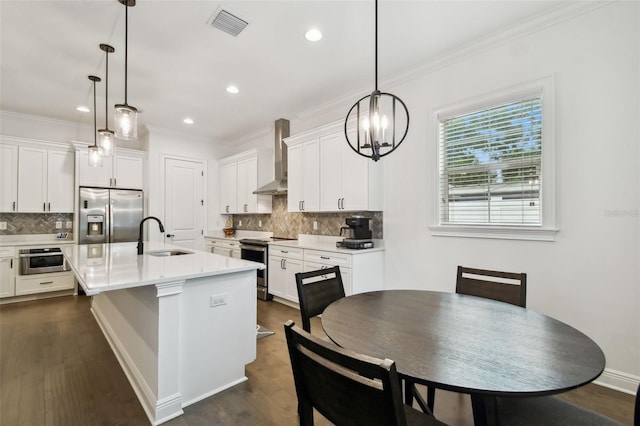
257, 250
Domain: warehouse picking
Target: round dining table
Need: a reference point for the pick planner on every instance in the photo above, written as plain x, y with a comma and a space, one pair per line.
466, 344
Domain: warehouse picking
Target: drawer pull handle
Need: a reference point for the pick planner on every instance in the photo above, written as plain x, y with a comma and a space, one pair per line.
325, 257
46, 282
283, 251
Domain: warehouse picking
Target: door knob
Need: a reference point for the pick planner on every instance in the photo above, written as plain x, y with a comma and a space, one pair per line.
170, 235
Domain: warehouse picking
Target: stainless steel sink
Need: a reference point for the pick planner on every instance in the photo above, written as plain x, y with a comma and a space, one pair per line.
166, 253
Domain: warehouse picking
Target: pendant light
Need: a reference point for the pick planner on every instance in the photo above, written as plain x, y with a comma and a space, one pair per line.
95, 159
378, 123
126, 116
106, 137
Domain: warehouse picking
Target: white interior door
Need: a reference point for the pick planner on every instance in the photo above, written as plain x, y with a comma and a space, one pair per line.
184, 203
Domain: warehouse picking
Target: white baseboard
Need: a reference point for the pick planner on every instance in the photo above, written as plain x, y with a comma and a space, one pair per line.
618, 380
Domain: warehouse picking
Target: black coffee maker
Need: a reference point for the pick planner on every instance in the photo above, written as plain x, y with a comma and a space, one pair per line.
357, 232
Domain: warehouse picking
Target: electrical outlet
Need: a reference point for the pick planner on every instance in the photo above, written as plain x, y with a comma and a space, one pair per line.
68, 224
239, 223
315, 225
218, 300
3, 226
58, 224
259, 224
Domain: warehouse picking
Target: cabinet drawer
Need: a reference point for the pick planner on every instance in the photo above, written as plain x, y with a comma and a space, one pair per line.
224, 243
7, 251
41, 283
283, 251
328, 258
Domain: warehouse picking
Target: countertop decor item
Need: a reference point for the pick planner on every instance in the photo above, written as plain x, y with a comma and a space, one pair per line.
229, 231
126, 116
376, 129
95, 159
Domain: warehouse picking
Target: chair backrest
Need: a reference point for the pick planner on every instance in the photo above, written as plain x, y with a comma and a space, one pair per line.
317, 290
345, 387
506, 287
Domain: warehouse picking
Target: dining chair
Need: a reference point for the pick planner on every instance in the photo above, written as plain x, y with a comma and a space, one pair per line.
347, 388
508, 287
317, 290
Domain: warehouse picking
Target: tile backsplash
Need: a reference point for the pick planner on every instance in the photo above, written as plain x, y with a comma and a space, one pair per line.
35, 223
289, 225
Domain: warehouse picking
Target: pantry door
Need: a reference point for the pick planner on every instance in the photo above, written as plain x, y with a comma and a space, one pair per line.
184, 207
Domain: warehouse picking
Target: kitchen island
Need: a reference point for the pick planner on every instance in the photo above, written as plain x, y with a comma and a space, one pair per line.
182, 326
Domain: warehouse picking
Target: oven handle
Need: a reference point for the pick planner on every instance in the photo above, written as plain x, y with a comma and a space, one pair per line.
252, 248
42, 254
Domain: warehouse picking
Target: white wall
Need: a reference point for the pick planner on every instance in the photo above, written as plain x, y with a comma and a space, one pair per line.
588, 277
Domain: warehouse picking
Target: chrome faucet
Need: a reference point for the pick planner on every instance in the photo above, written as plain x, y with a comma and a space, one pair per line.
140, 243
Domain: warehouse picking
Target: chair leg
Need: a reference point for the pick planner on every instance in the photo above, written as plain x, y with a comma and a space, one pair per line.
431, 398
305, 412
408, 393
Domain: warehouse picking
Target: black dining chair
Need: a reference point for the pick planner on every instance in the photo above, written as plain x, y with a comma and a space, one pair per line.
505, 287
508, 287
347, 388
317, 290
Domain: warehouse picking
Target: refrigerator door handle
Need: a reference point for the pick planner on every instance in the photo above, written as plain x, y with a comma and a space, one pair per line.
109, 213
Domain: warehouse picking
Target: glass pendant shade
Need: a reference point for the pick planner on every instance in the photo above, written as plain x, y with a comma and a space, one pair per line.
95, 159
126, 118
106, 142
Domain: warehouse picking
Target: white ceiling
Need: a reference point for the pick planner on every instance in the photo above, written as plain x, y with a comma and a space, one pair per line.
179, 66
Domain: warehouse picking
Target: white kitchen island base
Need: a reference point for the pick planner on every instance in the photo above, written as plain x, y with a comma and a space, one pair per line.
173, 346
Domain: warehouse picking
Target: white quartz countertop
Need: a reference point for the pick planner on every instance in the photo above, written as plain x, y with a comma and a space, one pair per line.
107, 267
45, 240
238, 235
325, 243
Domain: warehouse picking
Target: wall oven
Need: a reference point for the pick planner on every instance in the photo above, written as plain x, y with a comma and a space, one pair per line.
42, 261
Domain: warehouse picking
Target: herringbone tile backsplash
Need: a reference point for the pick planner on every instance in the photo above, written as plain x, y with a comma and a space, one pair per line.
34, 223
289, 225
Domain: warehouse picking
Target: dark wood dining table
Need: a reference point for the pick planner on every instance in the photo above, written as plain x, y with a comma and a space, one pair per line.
466, 344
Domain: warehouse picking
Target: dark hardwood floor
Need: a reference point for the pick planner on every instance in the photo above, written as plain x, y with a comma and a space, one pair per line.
56, 368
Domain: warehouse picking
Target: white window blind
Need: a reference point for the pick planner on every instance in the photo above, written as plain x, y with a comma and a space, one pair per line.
490, 165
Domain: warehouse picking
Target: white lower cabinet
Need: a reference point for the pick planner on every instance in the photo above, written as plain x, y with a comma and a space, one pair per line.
8, 265
41, 283
360, 272
284, 264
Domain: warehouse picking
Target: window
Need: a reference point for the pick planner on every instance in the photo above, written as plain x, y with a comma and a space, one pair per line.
491, 178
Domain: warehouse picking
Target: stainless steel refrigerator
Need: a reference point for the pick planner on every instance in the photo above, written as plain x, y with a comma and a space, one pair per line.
109, 215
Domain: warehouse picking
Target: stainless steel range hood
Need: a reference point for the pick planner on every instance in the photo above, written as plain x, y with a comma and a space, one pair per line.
279, 185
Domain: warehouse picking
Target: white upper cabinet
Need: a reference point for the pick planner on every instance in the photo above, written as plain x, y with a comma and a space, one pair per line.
45, 180
303, 192
124, 170
8, 178
238, 180
343, 180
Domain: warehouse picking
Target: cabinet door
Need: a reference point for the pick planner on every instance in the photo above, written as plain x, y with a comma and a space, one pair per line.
7, 277
32, 180
95, 176
276, 276
291, 268
295, 190
60, 177
128, 172
355, 180
228, 188
247, 173
331, 172
311, 176
8, 178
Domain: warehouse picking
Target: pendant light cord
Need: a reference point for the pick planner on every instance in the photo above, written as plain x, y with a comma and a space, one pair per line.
126, 48
106, 94
376, 44
95, 134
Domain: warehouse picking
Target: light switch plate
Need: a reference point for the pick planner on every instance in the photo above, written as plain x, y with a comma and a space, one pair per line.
3, 226
68, 224
58, 224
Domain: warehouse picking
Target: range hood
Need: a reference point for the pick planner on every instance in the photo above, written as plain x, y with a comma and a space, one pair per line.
279, 185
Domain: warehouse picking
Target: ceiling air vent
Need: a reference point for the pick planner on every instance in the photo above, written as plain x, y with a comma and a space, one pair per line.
228, 23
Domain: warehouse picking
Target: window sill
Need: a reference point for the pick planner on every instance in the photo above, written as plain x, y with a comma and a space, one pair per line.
494, 232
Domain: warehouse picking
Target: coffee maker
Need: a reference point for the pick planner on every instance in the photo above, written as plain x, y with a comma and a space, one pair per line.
358, 234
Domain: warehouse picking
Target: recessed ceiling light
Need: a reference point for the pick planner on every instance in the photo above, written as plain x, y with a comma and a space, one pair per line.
313, 34
83, 109
233, 89
187, 121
